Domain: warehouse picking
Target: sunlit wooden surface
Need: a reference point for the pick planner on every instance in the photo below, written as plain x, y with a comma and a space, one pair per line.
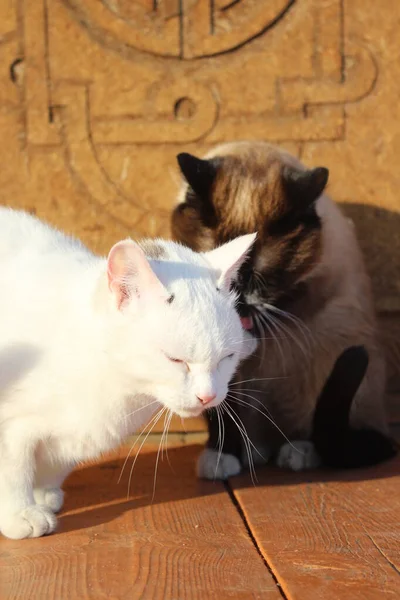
308, 536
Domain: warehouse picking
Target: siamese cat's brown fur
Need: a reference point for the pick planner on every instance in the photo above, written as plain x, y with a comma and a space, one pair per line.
304, 292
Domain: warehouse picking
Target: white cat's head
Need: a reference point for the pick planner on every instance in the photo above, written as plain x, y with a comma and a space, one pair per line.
176, 335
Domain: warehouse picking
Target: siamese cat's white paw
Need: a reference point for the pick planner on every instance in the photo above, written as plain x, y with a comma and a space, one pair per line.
212, 464
53, 498
32, 521
298, 456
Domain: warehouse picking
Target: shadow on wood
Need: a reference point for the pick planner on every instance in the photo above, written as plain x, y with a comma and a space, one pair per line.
94, 496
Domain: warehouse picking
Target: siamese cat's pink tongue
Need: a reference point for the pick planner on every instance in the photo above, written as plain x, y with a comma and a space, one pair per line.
247, 322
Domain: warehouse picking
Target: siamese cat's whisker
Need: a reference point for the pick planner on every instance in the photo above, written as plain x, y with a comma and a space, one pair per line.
261, 285
294, 320
270, 321
262, 279
299, 326
159, 415
288, 331
262, 324
135, 442
259, 327
290, 316
268, 324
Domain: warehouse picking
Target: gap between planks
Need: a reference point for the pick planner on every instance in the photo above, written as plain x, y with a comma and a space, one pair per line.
252, 537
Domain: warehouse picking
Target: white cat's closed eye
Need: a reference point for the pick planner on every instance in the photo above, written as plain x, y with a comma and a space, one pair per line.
178, 361
182, 362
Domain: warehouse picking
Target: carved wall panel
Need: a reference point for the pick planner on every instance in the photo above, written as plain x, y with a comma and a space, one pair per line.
98, 96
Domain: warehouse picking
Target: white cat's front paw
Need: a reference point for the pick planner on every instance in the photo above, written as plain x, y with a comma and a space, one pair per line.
53, 498
212, 464
32, 521
298, 456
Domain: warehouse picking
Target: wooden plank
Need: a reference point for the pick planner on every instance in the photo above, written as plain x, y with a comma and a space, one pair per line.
328, 536
189, 542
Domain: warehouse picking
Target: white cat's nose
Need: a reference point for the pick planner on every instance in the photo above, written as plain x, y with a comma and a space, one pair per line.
206, 398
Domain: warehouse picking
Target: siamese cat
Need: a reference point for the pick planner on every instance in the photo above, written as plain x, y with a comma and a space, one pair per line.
304, 293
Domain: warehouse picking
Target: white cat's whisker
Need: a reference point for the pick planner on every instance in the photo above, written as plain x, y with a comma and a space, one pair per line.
258, 339
140, 408
243, 434
242, 402
250, 390
134, 444
257, 379
159, 415
247, 441
160, 448
171, 414
220, 440
238, 401
166, 415
223, 432
167, 426
244, 392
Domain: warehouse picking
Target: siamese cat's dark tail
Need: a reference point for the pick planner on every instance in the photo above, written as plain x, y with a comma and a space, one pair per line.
338, 444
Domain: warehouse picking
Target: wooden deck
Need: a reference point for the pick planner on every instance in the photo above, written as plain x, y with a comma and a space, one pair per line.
307, 536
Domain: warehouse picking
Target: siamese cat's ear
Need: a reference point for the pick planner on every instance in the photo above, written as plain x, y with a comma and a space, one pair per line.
304, 187
130, 274
199, 173
228, 259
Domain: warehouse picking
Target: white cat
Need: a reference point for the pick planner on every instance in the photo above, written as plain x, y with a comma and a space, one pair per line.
90, 348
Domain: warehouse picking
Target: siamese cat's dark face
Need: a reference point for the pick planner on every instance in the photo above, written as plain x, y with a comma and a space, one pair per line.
255, 187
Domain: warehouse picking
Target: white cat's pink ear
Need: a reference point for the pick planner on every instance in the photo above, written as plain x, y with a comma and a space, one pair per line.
228, 259
130, 274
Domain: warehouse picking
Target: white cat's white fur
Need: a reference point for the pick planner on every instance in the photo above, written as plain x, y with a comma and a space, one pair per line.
85, 352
